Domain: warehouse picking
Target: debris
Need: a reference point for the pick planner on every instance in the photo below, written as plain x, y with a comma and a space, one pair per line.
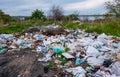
67, 55
76, 70
115, 68
79, 61
2, 51
68, 52
91, 51
32, 30
52, 30
94, 61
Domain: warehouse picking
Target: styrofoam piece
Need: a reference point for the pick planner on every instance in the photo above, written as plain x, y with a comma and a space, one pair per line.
67, 55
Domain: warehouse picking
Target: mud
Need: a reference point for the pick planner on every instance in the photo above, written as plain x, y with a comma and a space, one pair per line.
24, 63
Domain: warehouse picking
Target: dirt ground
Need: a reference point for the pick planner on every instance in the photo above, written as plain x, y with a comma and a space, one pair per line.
24, 63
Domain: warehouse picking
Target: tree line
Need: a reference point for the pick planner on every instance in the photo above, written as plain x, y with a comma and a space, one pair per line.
57, 13
5, 18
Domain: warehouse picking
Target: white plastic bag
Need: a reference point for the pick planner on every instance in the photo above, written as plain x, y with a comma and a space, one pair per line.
91, 51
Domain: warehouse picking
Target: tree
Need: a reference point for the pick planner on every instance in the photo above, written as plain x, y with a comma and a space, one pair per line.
113, 7
56, 13
1, 14
38, 14
5, 18
106, 16
72, 17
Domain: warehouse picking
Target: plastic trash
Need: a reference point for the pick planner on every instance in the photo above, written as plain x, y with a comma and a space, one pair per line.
93, 61
98, 47
86, 41
67, 55
79, 61
42, 48
80, 75
104, 73
22, 42
2, 45
46, 42
13, 47
89, 68
116, 45
39, 49
115, 68
76, 70
91, 46
66, 76
91, 51
46, 58
39, 37
2, 51
58, 50
119, 44
103, 38
104, 41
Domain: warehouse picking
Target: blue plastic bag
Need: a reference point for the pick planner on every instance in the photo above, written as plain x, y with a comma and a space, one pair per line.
58, 50
22, 42
39, 37
2, 51
79, 61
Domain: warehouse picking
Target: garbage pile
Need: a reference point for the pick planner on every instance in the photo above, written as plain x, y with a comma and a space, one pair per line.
52, 30
32, 30
77, 53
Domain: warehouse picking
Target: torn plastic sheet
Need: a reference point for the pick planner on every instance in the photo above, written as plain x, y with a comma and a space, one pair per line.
67, 55
91, 51
85, 41
79, 61
76, 70
104, 74
93, 61
115, 68
46, 58
103, 36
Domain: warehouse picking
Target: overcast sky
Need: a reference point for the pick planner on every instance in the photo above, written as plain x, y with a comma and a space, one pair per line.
25, 7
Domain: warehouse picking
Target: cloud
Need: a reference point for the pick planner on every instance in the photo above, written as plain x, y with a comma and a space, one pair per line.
85, 5
25, 7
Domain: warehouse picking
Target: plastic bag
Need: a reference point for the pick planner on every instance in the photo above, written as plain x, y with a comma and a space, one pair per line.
2, 51
91, 51
58, 50
116, 68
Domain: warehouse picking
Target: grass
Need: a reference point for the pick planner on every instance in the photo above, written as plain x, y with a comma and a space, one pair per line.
110, 28
14, 28
51, 65
18, 27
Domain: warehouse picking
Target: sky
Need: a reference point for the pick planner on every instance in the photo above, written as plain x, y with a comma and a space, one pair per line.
26, 7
